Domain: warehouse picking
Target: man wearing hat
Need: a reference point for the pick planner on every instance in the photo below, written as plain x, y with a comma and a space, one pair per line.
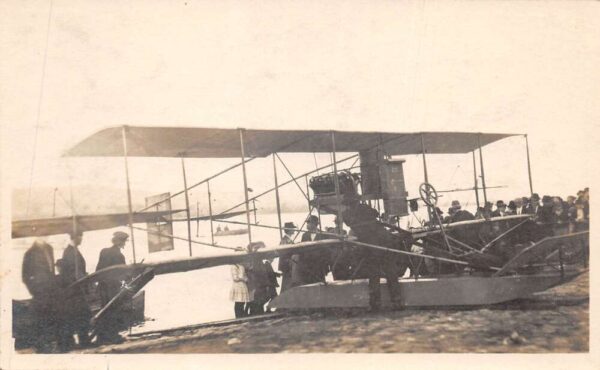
113, 256
520, 205
310, 267
109, 332
38, 276
459, 214
285, 261
500, 209
534, 205
362, 220
73, 268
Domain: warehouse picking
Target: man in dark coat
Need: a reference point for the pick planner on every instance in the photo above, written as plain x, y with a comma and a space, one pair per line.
76, 311
460, 214
500, 209
73, 263
109, 331
362, 219
285, 259
546, 218
38, 276
534, 205
314, 265
112, 256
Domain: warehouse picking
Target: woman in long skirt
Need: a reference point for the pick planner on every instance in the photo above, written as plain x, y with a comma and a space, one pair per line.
239, 290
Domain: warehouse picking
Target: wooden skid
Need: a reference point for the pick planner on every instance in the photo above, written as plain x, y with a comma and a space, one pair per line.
427, 292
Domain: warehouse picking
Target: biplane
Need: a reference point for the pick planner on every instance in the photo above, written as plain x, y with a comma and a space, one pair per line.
452, 265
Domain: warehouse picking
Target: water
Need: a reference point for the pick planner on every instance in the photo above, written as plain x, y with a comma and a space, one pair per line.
174, 299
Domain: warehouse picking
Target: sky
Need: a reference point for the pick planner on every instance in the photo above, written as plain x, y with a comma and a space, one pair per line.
508, 66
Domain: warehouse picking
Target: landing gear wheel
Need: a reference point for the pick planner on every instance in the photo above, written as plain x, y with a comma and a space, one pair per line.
428, 194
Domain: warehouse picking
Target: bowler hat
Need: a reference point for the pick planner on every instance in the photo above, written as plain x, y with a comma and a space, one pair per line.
290, 225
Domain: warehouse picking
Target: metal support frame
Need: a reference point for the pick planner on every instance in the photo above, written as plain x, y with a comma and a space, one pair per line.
303, 223
197, 219
293, 177
430, 211
307, 191
336, 179
187, 206
277, 197
482, 171
475, 181
529, 166
129, 204
212, 233
74, 223
243, 155
488, 245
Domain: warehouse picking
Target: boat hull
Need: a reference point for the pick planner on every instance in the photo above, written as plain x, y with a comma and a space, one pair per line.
426, 292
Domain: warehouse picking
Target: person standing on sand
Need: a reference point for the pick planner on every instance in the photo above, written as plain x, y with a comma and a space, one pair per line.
111, 256
38, 276
362, 220
239, 290
285, 259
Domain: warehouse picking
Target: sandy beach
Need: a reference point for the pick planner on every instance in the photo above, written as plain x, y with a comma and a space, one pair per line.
553, 321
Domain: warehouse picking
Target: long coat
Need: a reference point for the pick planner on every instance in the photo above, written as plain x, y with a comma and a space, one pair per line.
38, 269
285, 264
73, 265
310, 267
110, 257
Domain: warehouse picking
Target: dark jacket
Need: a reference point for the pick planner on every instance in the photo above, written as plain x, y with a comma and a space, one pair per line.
38, 269
284, 259
532, 209
110, 257
462, 215
314, 265
73, 265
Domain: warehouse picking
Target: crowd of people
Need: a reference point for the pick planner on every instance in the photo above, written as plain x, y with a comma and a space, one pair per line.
60, 315
313, 266
254, 284
366, 226
551, 209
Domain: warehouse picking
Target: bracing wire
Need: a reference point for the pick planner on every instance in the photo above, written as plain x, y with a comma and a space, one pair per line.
39, 109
